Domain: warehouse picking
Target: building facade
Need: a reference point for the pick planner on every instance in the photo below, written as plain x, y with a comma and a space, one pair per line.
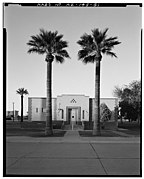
67, 108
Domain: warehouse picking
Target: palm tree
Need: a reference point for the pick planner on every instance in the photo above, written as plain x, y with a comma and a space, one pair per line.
22, 92
52, 45
93, 46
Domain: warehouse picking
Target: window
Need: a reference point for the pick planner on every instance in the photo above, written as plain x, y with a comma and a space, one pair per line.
62, 112
42, 109
83, 114
36, 110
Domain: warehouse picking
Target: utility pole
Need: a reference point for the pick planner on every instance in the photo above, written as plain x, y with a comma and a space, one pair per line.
13, 112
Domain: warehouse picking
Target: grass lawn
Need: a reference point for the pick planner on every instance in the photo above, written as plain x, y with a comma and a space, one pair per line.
33, 132
37, 129
129, 125
132, 128
104, 133
31, 129
130, 132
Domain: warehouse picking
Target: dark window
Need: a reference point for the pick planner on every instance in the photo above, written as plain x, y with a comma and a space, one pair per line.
62, 113
36, 109
83, 114
42, 109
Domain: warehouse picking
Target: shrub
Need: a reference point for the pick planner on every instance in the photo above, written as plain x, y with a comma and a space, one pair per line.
57, 124
105, 113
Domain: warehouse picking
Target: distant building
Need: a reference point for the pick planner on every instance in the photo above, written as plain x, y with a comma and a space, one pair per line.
67, 108
9, 115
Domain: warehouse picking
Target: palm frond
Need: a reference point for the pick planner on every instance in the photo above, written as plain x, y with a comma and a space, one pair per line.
83, 53
60, 45
22, 91
104, 33
112, 54
25, 91
48, 42
95, 33
47, 37
111, 39
110, 42
88, 59
99, 36
59, 59
95, 44
18, 92
63, 53
103, 50
58, 37
85, 41
36, 50
37, 45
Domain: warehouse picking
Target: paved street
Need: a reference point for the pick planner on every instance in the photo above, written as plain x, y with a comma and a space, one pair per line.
73, 155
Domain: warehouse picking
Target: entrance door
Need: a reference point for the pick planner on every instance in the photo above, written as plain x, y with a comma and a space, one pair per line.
73, 114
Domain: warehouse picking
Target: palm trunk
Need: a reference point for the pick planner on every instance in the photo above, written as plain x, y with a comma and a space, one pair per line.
21, 108
48, 130
96, 125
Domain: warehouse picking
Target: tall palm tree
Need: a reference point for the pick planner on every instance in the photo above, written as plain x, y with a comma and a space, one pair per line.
22, 92
52, 45
93, 46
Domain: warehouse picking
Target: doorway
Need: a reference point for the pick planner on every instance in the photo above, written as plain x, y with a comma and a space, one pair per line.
73, 114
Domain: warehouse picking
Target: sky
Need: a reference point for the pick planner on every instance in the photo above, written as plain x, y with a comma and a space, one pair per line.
71, 77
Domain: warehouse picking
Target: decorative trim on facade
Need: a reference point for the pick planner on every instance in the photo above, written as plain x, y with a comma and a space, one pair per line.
73, 101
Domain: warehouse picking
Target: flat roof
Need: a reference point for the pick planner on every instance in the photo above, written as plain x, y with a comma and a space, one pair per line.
73, 95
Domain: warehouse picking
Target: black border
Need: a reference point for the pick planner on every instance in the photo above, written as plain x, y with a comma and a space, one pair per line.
4, 97
111, 5
75, 4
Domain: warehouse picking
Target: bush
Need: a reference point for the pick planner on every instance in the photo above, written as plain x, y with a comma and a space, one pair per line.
57, 124
88, 125
105, 113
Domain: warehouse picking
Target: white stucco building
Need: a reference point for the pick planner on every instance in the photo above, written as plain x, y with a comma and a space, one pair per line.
67, 107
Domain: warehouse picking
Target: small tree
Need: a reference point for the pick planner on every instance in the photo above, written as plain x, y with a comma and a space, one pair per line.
130, 100
105, 113
22, 92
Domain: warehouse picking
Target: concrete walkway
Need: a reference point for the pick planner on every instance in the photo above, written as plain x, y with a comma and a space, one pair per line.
73, 155
72, 136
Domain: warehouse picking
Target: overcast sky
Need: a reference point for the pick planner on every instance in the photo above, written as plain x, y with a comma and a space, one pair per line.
72, 77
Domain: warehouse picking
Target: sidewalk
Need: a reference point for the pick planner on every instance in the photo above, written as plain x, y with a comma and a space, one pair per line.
73, 137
